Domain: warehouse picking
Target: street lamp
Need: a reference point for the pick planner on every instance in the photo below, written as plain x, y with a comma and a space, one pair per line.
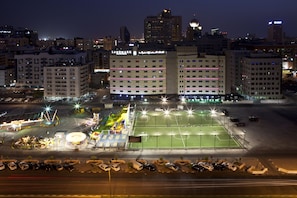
166, 114
183, 100
213, 113
171, 136
144, 115
215, 138
190, 114
155, 116
164, 100
157, 139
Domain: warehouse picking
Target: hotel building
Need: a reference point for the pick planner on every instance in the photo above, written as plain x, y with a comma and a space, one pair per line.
135, 73
138, 73
200, 75
262, 76
30, 65
66, 80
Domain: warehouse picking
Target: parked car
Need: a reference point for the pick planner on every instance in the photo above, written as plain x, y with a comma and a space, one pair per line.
12, 166
2, 166
115, 166
137, 165
240, 124
24, 166
150, 167
230, 166
197, 167
233, 119
172, 166
104, 167
69, 167
59, 167
253, 118
206, 165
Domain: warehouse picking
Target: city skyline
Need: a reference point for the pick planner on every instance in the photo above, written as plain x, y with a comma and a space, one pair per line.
95, 19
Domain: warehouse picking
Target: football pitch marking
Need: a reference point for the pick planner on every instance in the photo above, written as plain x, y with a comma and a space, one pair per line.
177, 124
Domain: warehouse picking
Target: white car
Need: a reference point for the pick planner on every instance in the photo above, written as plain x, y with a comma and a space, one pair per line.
24, 166
2, 166
172, 166
206, 165
104, 167
12, 166
230, 166
115, 166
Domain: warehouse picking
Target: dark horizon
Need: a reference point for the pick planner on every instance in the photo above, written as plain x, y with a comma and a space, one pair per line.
97, 19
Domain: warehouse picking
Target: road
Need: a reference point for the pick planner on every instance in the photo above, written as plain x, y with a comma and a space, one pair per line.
64, 183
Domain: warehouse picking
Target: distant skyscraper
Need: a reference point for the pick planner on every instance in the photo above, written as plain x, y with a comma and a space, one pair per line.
124, 34
275, 31
163, 28
194, 30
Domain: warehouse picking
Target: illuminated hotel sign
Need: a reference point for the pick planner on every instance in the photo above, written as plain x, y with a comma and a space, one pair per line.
130, 52
121, 52
151, 52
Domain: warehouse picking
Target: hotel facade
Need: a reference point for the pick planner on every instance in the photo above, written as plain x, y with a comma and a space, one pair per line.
182, 71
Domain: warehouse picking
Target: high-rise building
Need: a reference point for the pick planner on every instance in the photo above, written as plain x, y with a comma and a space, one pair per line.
124, 34
140, 73
194, 30
261, 74
30, 66
163, 28
200, 75
66, 80
275, 31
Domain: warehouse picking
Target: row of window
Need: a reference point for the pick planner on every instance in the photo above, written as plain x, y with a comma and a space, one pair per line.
35, 60
264, 93
49, 93
153, 76
200, 60
137, 66
262, 63
199, 91
137, 71
198, 71
138, 61
272, 78
137, 91
137, 81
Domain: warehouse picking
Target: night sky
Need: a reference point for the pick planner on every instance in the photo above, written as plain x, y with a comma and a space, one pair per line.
98, 18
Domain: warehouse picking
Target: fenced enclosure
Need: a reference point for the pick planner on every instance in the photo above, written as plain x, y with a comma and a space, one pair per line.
179, 129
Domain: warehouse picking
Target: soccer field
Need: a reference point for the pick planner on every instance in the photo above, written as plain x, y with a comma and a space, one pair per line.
179, 129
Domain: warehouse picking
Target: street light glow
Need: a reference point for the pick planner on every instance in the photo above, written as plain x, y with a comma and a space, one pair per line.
77, 106
190, 112
164, 99
47, 108
166, 112
144, 112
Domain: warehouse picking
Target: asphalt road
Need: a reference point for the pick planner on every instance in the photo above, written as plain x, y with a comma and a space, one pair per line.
65, 183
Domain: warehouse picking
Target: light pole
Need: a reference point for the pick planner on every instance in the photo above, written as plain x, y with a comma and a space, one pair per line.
171, 136
144, 115
157, 139
166, 115
200, 139
190, 114
213, 114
